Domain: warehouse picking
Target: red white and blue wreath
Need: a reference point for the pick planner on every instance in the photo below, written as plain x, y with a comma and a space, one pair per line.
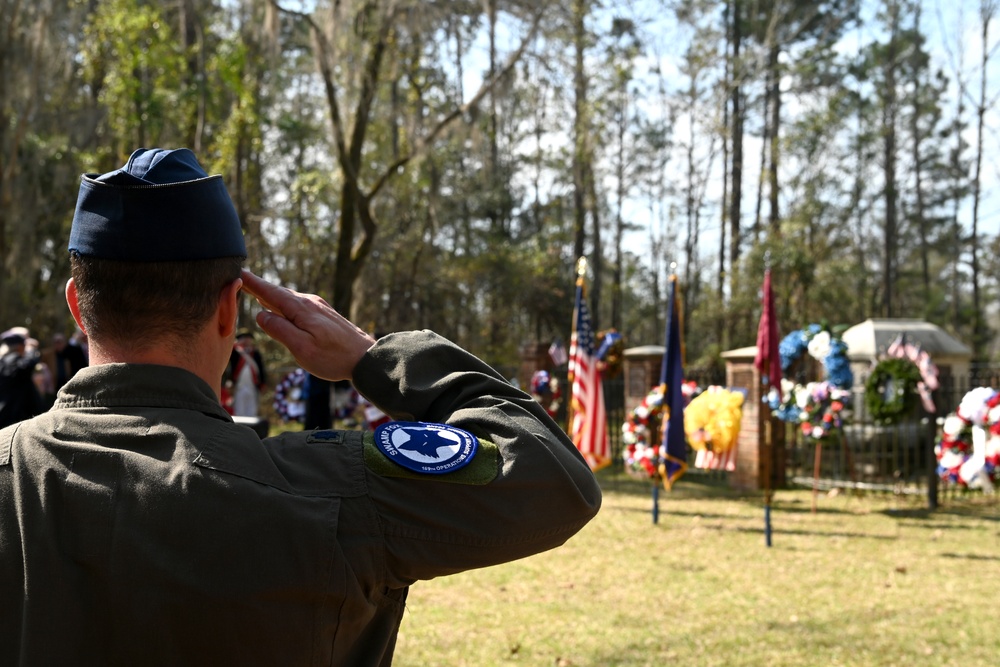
968, 449
289, 397
817, 406
640, 456
546, 390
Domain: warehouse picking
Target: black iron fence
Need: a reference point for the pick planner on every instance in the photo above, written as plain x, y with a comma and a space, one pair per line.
614, 407
897, 458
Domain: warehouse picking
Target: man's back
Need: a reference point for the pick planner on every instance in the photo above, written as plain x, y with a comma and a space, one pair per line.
178, 537
142, 526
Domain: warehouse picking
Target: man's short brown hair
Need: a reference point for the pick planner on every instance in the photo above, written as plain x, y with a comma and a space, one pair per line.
134, 304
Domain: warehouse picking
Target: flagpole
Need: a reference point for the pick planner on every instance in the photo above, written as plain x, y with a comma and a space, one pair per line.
765, 409
581, 271
672, 377
658, 439
673, 462
768, 449
764, 375
768, 364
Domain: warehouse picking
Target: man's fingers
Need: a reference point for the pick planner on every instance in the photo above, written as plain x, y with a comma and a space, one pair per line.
270, 296
281, 330
286, 318
291, 305
322, 341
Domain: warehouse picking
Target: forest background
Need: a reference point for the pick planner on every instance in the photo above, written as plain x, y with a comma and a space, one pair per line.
442, 164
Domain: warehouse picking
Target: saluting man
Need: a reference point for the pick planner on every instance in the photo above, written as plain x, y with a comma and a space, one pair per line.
140, 526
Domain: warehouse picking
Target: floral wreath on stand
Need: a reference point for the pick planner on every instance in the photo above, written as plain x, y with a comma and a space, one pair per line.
641, 458
968, 448
712, 419
891, 390
817, 406
289, 397
545, 390
928, 383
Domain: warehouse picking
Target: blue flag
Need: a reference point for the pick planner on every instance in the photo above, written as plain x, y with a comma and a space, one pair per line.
671, 378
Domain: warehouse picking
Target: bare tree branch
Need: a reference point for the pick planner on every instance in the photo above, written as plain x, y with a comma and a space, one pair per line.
425, 143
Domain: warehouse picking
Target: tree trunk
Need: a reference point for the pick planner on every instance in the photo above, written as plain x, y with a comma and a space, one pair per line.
579, 129
720, 334
918, 174
736, 195
889, 102
987, 9
597, 260
616, 278
774, 94
764, 147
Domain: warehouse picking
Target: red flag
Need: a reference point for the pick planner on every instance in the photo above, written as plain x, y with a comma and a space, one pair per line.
768, 359
588, 421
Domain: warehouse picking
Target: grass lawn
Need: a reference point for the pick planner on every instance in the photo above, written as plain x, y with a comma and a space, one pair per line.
866, 580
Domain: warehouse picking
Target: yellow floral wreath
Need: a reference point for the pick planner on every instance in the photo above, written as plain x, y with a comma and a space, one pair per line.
712, 419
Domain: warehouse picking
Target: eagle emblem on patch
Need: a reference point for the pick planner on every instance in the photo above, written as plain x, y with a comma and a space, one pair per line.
433, 449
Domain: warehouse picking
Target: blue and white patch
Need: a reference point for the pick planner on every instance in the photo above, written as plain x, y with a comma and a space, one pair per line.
432, 449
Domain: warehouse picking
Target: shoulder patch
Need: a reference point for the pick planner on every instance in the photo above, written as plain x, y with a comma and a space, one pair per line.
430, 449
482, 468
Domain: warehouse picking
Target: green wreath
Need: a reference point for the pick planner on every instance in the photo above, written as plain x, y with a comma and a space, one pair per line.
891, 390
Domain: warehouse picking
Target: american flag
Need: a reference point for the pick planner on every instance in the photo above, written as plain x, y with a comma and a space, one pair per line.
557, 353
588, 421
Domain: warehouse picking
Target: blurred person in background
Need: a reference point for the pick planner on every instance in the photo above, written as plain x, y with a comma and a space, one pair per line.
19, 397
246, 376
64, 358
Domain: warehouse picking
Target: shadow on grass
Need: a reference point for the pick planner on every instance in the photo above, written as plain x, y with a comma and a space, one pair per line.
690, 486
969, 556
710, 490
776, 529
699, 485
737, 524
977, 510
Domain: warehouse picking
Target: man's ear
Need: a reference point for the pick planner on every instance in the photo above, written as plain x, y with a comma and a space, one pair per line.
74, 304
229, 307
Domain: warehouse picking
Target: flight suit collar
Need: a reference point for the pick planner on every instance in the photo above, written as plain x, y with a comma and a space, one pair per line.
139, 385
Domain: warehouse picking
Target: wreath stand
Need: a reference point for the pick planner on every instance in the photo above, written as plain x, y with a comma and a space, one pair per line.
817, 457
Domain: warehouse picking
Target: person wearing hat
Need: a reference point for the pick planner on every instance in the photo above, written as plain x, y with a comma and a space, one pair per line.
19, 398
245, 375
139, 525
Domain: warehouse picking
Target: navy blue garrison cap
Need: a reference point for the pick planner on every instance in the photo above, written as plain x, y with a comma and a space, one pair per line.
161, 206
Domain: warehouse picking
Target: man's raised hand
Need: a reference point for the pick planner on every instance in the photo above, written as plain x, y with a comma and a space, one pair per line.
323, 342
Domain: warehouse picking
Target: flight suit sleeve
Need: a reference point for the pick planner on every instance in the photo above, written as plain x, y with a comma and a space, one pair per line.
537, 491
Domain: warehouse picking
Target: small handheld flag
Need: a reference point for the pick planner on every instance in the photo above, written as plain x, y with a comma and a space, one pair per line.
557, 353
